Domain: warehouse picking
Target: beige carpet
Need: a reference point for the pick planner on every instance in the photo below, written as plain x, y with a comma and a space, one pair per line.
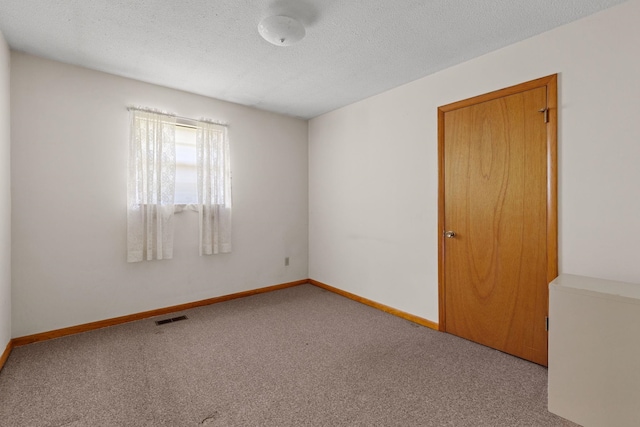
295, 357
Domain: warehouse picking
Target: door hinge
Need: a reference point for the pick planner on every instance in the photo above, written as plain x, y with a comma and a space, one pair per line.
545, 110
546, 323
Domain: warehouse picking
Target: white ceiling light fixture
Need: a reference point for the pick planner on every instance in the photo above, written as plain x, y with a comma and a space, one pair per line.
281, 30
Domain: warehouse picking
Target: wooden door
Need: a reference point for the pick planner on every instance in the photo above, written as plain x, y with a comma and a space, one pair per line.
497, 217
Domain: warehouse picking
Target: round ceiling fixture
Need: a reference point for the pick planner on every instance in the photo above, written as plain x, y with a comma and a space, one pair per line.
281, 30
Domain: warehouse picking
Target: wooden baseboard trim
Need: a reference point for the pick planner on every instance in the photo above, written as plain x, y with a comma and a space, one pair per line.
410, 317
43, 336
5, 354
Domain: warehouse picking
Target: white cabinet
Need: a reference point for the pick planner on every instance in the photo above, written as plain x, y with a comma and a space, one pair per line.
594, 351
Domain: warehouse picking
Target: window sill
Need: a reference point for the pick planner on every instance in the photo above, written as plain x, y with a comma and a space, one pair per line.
182, 207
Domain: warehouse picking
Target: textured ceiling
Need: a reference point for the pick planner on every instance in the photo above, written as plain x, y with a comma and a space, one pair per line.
353, 48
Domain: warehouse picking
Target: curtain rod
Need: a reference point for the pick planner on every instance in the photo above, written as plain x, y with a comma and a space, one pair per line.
188, 119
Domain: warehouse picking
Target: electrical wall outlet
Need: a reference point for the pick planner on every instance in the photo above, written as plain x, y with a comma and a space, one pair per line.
286, 262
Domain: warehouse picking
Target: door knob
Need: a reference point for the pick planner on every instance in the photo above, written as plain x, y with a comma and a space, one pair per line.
449, 234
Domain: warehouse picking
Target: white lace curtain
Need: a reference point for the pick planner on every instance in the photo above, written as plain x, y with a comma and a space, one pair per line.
151, 187
151, 182
214, 188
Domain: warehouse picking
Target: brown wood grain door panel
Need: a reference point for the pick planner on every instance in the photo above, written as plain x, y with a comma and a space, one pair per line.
494, 171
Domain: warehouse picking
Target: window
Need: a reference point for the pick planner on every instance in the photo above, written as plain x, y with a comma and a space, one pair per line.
186, 191
173, 165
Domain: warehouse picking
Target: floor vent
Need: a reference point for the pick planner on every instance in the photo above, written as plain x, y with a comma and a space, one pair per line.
173, 319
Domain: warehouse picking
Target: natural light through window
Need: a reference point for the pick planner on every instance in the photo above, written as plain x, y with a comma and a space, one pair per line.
186, 169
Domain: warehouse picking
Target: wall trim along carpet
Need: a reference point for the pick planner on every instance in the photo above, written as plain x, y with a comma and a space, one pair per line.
5, 354
43, 336
410, 317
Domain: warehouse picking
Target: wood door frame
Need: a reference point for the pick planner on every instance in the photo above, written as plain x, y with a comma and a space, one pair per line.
551, 84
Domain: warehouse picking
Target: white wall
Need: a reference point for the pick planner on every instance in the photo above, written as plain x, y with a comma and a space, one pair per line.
70, 132
5, 199
373, 165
